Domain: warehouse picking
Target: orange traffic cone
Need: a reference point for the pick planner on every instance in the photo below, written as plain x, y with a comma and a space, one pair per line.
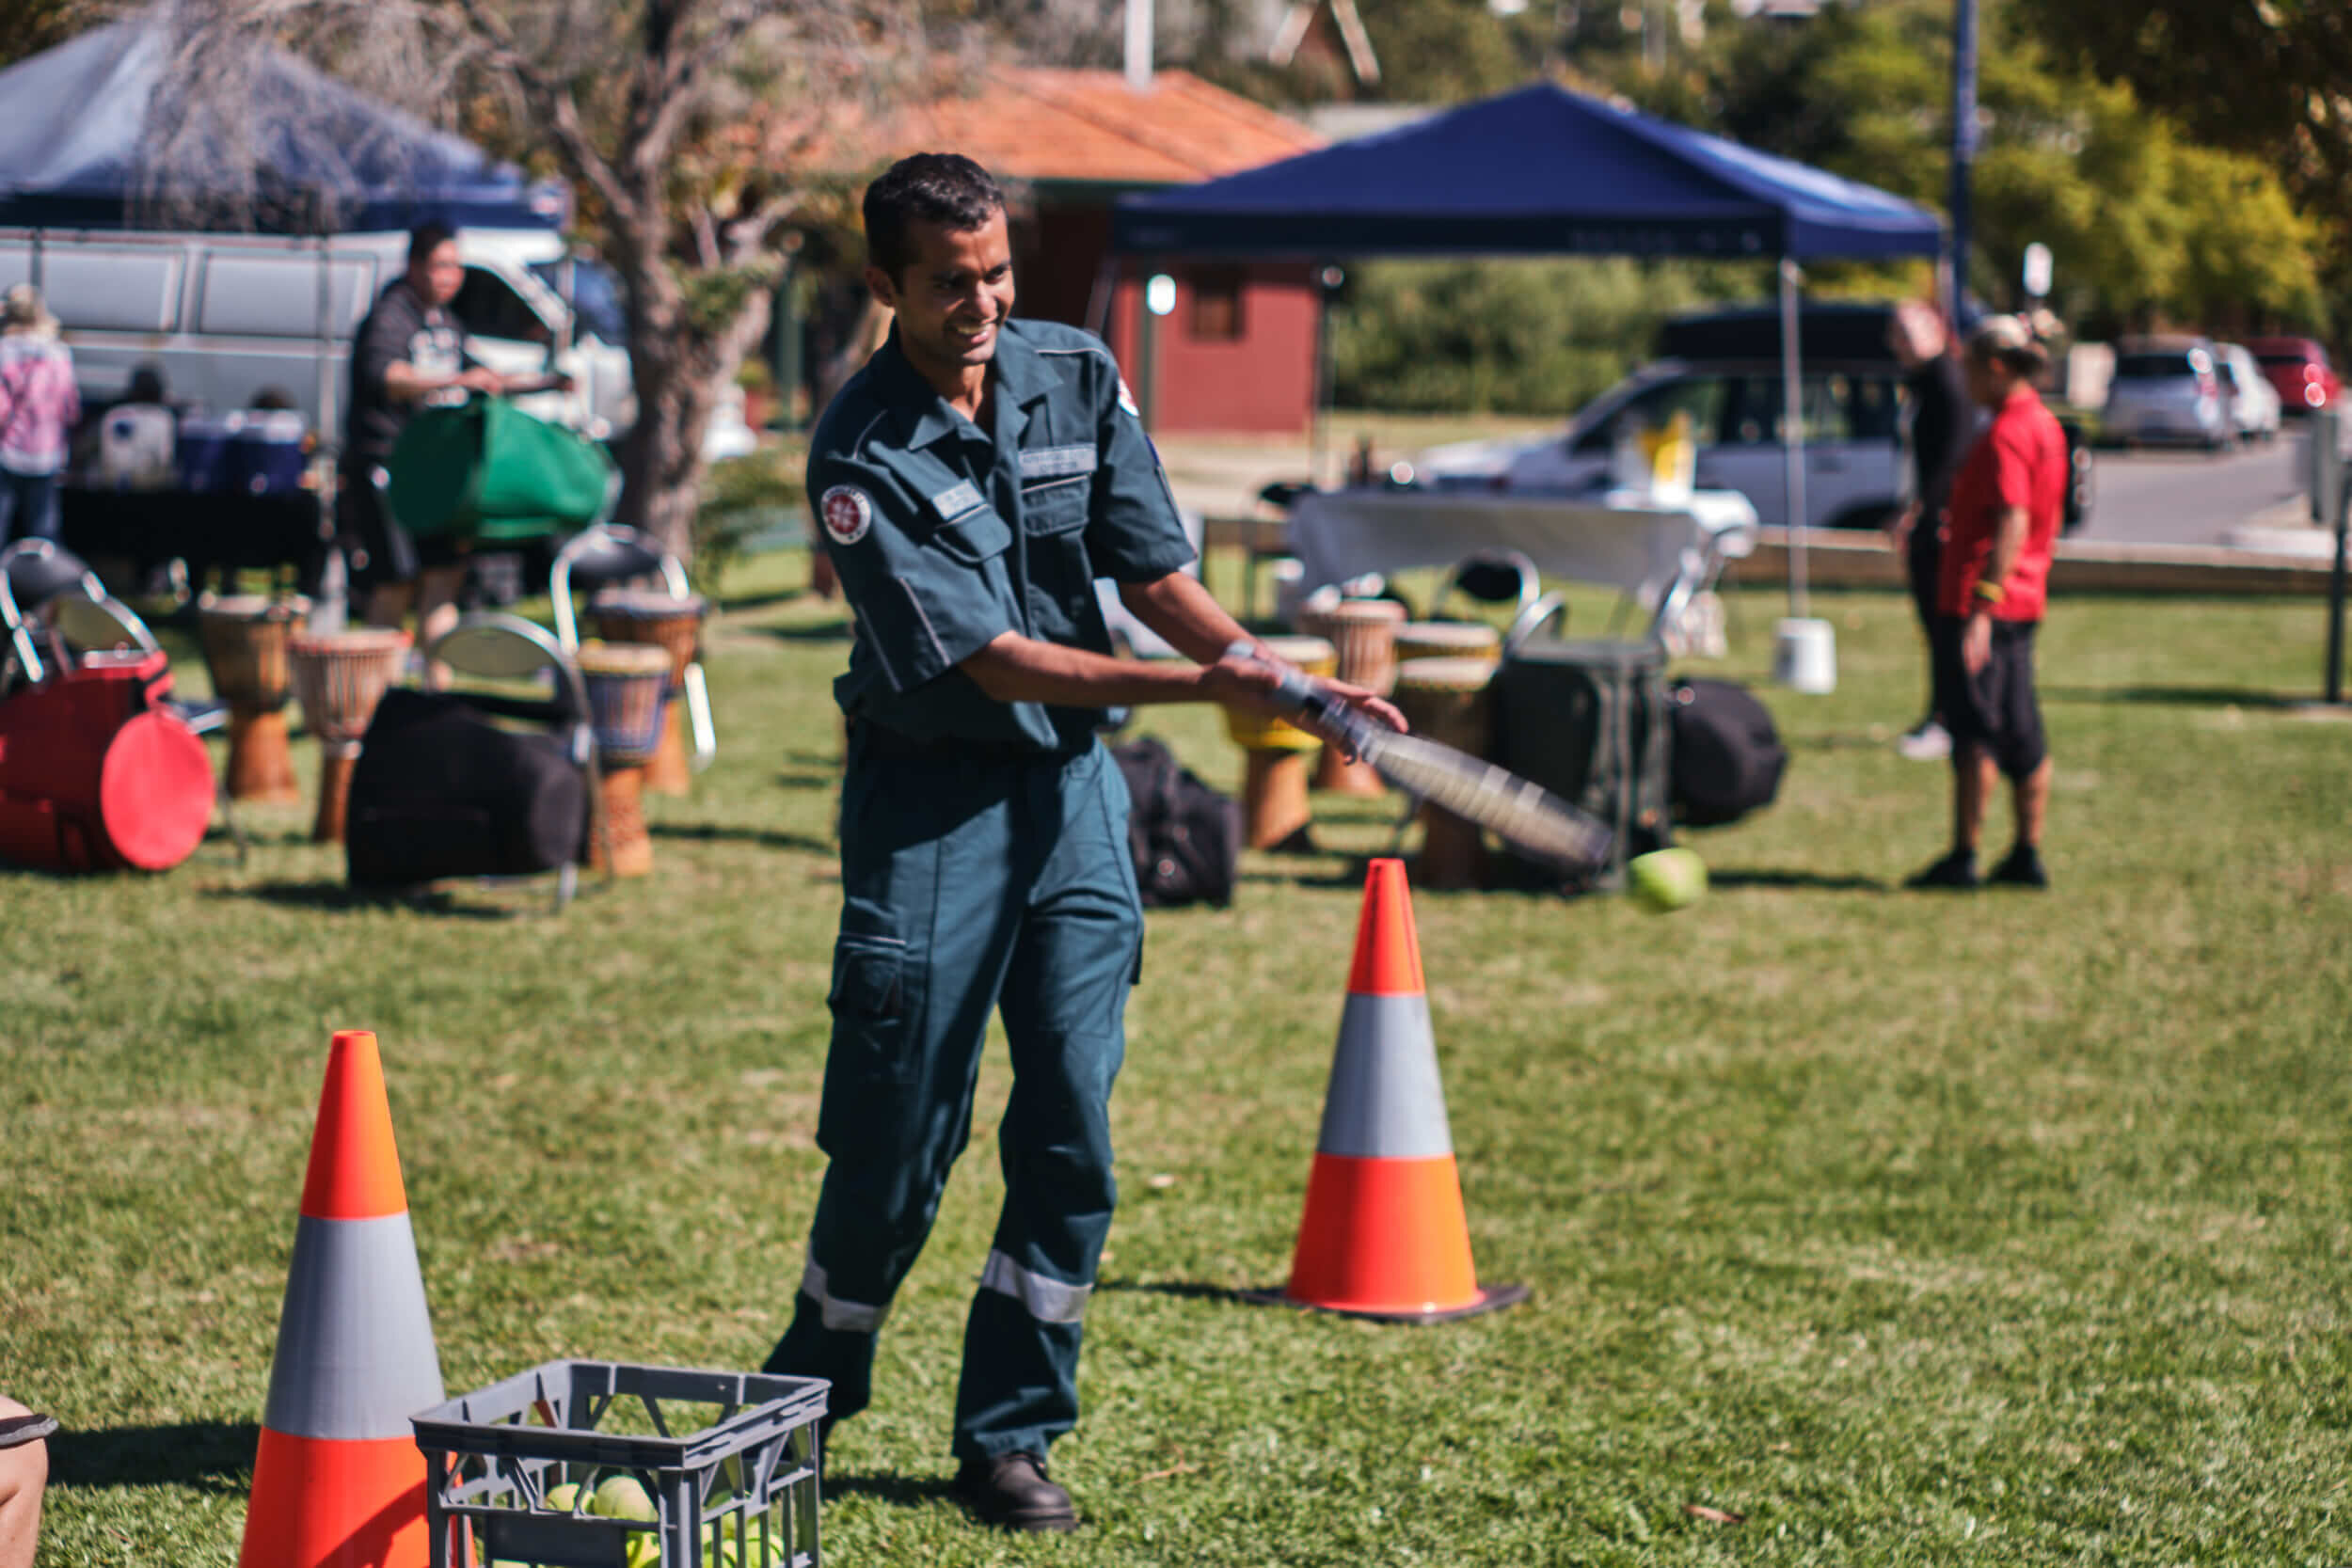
1384, 1235
340, 1480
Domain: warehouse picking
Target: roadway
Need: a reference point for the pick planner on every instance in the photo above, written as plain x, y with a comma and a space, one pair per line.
2189, 498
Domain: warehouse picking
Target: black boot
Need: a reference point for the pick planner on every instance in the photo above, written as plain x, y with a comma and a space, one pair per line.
1011, 1489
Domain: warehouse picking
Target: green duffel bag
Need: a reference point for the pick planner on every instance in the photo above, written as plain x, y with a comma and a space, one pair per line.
489, 474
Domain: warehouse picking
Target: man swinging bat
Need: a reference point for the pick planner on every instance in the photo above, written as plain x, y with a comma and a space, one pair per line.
972, 483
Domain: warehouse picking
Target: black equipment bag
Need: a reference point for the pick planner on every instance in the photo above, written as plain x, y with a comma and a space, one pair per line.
441, 791
1727, 756
1587, 720
1184, 835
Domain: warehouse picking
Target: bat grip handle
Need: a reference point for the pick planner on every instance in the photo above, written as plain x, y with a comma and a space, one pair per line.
1318, 709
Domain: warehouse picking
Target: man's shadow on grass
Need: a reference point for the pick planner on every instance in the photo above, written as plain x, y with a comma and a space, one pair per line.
2175, 696
212, 1456
1187, 1289
819, 631
767, 838
1819, 882
342, 898
883, 1486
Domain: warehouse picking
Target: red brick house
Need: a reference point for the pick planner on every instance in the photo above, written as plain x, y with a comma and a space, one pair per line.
1237, 353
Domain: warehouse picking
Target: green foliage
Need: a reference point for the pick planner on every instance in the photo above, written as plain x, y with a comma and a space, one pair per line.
715, 296
1525, 336
744, 497
1448, 51
30, 27
1997, 1231
2144, 223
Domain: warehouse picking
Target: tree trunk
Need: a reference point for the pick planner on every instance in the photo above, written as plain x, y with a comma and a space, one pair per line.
680, 376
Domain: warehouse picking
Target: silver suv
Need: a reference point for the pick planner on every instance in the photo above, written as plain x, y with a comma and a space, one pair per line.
2168, 390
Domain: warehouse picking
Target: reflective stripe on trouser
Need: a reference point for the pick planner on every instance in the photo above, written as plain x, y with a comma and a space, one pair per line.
970, 886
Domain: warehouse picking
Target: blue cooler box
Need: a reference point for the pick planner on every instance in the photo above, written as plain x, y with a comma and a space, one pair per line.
256, 453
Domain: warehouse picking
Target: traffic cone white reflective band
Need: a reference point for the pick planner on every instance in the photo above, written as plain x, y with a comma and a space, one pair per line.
842, 1317
338, 1479
1385, 1102
1049, 1301
355, 1342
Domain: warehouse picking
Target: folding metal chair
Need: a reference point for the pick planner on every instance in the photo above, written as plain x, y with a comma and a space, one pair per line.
495, 645
603, 554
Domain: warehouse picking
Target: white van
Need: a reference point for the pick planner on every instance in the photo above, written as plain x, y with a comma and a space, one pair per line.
226, 317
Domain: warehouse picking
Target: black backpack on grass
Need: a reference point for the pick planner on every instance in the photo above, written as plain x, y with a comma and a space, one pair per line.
441, 791
1727, 754
1185, 836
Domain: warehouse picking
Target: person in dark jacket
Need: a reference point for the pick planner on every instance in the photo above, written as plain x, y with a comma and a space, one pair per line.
1937, 419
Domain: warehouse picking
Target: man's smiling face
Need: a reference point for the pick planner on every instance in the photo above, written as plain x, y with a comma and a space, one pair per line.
953, 296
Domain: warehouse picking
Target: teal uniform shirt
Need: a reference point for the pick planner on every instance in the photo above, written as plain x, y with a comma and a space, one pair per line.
946, 537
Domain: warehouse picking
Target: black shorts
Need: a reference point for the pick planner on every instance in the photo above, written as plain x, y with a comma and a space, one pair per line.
378, 549
1995, 707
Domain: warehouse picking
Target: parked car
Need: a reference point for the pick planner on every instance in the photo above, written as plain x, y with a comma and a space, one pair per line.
2254, 407
2168, 391
2299, 373
1723, 370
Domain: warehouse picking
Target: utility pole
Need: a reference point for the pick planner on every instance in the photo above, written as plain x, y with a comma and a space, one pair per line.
1963, 143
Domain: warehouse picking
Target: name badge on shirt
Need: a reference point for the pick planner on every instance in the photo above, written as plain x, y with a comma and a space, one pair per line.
955, 501
1056, 463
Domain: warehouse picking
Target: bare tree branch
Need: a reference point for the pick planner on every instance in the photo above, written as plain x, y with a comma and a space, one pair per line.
559, 111
747, 236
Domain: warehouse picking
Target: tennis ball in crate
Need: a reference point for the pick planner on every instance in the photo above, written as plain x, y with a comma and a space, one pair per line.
1667, 880
561, 1499
623, 1497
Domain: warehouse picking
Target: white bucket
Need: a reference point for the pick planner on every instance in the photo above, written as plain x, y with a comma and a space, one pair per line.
1805, 656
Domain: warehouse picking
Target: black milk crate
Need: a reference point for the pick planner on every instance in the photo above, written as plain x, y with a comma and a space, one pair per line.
741, 1492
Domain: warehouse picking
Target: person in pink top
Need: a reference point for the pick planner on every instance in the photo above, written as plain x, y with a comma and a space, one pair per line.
39, 408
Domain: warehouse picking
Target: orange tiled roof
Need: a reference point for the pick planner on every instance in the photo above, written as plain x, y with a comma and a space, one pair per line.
1033, 123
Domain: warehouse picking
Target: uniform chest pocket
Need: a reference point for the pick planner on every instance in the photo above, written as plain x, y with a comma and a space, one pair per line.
1054, 506
973, 537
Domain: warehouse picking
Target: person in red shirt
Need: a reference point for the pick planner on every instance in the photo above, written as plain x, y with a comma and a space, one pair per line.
2001, 528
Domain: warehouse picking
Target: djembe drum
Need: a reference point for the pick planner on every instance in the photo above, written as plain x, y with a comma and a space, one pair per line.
1274, 810
339, 676
628, 686
652, 616
1451, 700
1446, 639
245, 638
1364, 633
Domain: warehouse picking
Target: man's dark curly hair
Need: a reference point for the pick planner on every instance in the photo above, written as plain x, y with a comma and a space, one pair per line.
944, 189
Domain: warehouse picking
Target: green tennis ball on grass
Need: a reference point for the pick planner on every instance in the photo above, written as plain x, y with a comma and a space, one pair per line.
1667, 880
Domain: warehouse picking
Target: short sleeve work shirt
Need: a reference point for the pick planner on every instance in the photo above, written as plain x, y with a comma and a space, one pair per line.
946, 537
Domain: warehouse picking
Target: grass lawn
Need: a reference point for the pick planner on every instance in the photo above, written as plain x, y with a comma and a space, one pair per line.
1998, 1229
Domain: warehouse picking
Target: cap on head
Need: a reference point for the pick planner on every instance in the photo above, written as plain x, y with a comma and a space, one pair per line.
944, 189
2006, 340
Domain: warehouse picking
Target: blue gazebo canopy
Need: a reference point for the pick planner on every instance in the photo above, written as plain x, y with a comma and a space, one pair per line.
321, 157
1537, 171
